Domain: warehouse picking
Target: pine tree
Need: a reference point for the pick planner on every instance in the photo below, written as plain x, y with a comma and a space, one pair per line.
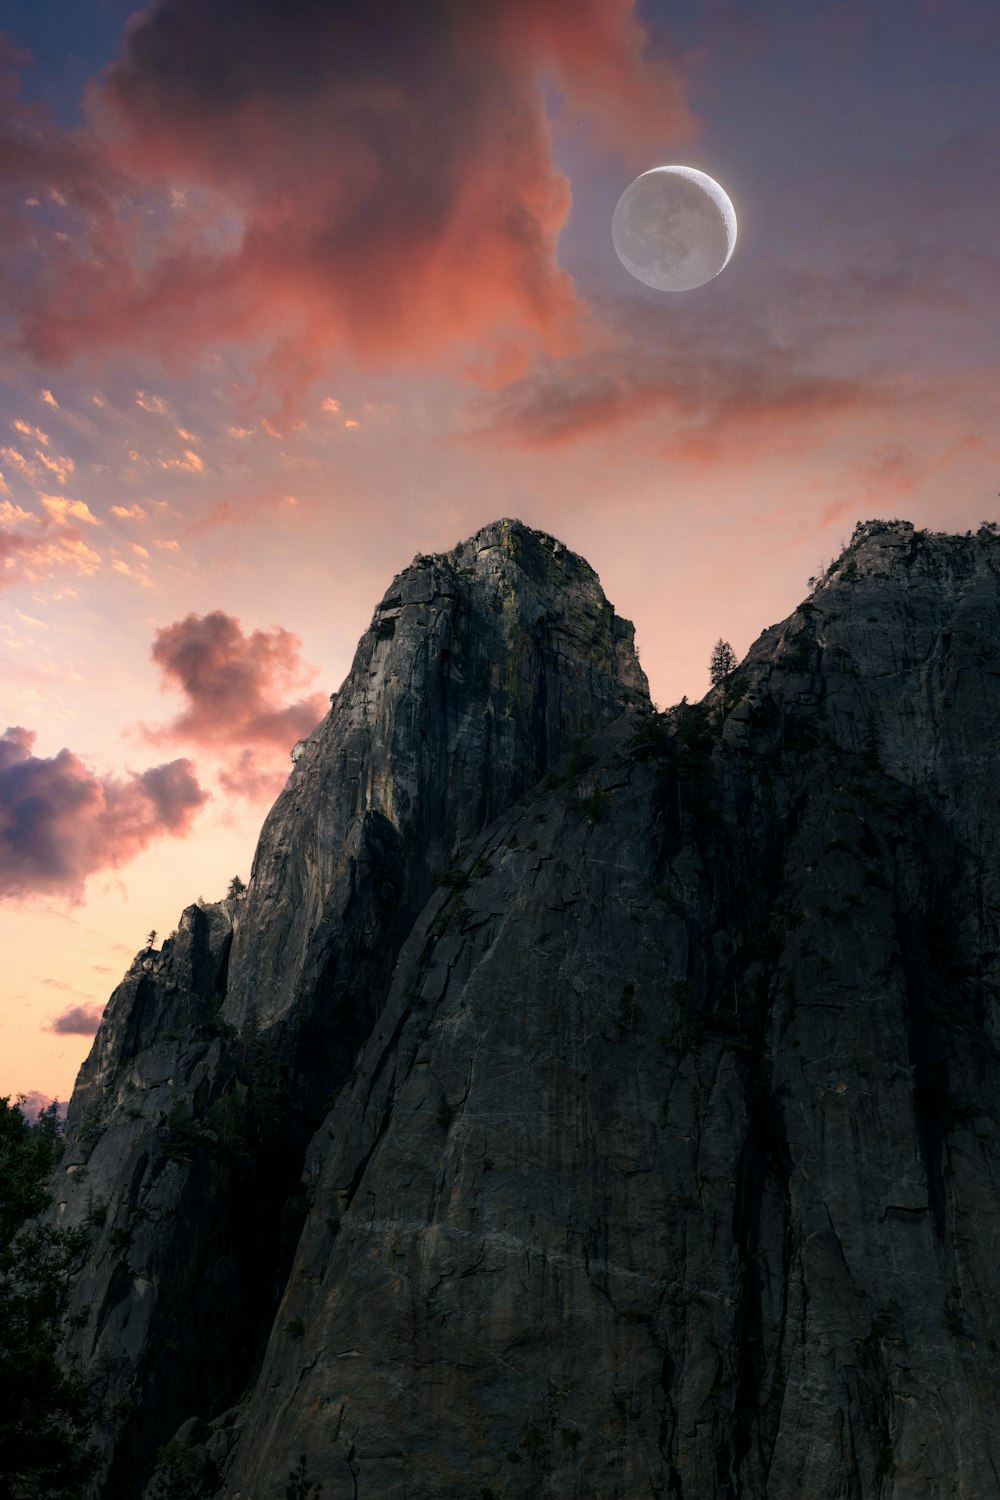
722, 663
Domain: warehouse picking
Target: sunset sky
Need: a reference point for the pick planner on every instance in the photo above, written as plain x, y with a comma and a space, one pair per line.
293, 290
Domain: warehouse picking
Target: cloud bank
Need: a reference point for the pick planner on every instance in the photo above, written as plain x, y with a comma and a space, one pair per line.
59, 822
375, 179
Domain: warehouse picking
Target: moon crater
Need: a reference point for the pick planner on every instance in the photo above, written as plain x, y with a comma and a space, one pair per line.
674, 228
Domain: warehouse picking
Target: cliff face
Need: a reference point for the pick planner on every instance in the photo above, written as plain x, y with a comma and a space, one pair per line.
218, 1054
592, 1102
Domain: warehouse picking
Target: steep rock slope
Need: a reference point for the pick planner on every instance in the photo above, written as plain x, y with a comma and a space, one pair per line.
672, 1167
663, 1142
218, 1054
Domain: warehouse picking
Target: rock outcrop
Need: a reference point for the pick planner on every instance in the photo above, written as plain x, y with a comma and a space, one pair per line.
218, 1055
583, 1101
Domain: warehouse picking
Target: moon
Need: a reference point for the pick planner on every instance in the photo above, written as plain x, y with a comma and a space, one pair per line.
674, 228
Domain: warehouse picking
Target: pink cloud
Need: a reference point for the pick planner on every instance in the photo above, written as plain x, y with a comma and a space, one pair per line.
236, 685
32, 1104
381, 185
257, 779
59, 822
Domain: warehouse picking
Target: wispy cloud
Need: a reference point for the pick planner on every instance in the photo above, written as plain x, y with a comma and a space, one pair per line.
698, 408
34, 547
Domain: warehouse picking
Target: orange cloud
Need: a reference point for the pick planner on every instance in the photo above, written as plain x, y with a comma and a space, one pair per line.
60, 507
336, 180
14, 514
191, 463
33, 547
150, 403
59, 465
119, 565
26, 430
31, 469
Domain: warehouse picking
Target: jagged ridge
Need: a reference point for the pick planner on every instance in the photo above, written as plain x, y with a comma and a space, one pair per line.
665, 1123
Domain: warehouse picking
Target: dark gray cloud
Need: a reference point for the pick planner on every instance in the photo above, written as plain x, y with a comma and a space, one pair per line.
79, 1020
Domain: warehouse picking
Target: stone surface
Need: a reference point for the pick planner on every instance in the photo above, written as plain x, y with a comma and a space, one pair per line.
218, 1056
616, 1094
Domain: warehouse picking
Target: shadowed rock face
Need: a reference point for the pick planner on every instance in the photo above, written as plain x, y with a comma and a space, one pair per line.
218, 1055
592, 1103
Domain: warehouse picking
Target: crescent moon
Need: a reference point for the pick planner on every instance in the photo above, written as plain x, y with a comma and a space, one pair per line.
674, 228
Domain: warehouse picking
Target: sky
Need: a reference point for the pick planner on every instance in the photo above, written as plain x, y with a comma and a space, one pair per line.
293, 290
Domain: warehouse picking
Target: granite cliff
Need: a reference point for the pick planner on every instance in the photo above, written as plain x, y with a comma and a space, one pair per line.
583, 1102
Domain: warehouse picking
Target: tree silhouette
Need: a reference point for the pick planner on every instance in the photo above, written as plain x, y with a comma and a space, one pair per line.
722, 663
45, 1412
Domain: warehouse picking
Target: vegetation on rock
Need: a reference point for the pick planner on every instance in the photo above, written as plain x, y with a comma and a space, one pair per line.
45, 1412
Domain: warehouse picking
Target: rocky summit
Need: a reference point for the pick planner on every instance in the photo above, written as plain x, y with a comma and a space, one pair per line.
582, 1102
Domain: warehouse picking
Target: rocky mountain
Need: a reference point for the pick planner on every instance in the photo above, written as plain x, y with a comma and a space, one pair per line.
583, 1102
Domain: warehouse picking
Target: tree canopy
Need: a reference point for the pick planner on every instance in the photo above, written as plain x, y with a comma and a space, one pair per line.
45, 1412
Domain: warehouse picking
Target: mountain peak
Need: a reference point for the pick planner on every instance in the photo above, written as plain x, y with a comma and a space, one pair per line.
576, 1094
